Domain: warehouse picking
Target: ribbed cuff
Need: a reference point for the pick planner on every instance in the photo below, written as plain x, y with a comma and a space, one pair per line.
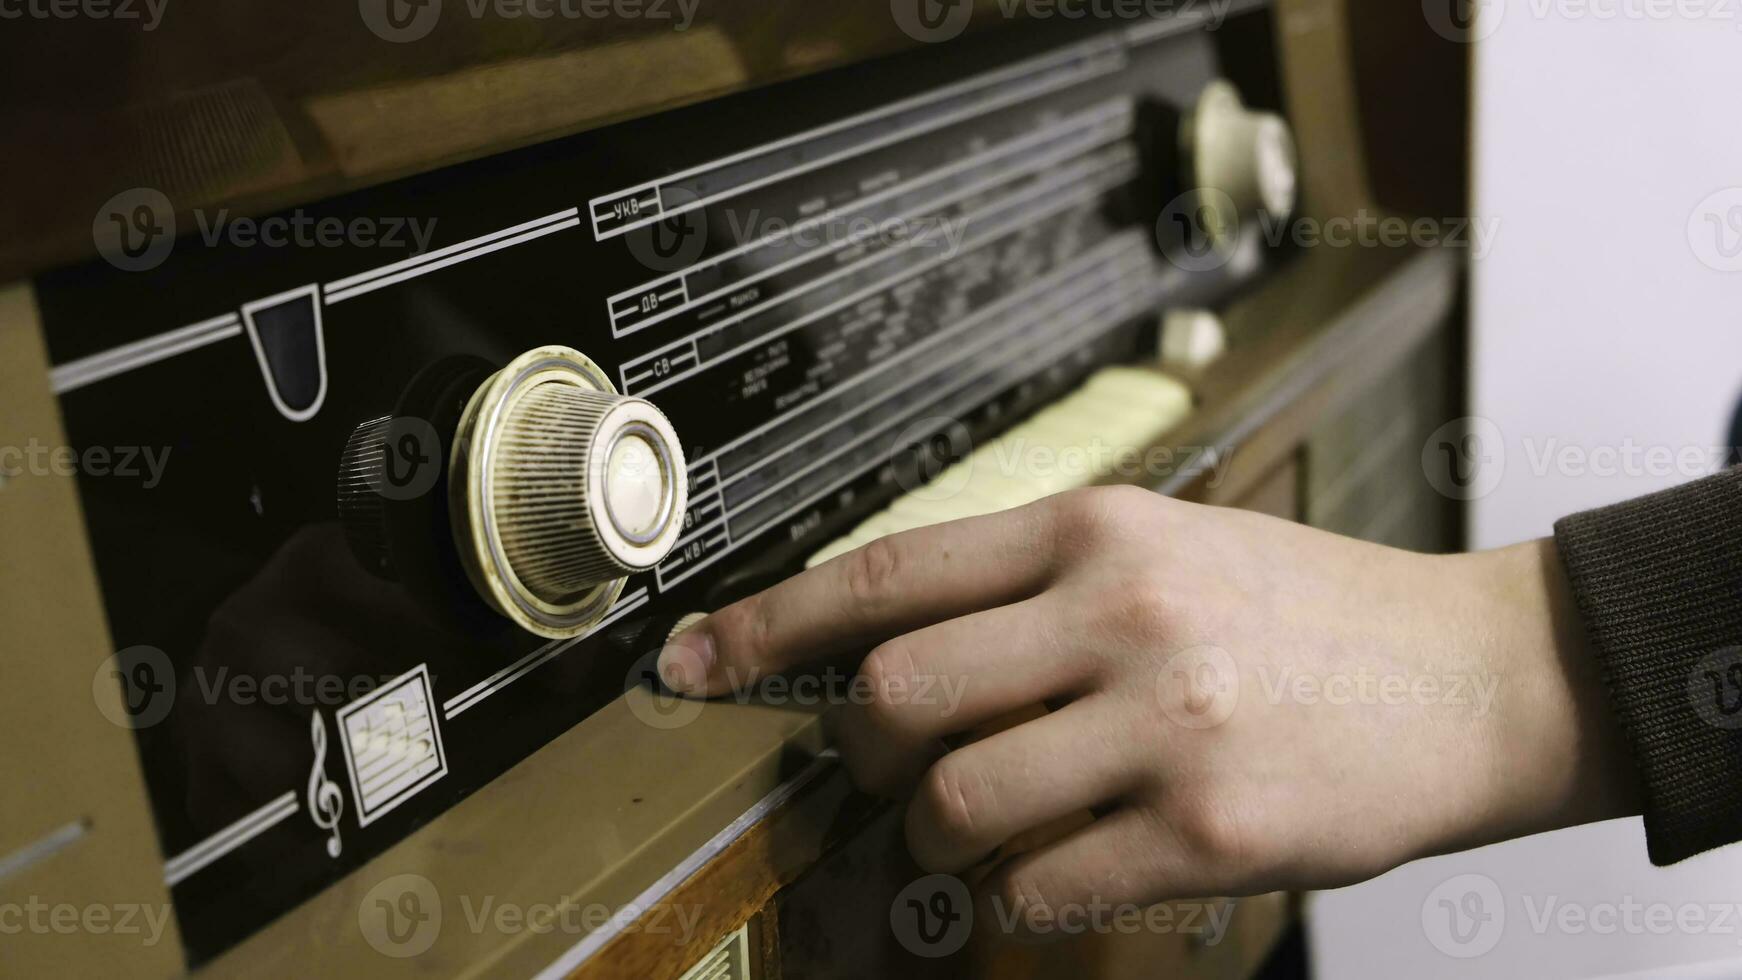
1658, 582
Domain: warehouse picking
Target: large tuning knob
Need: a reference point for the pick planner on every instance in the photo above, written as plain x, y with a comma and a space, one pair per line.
1246, 156
560, 488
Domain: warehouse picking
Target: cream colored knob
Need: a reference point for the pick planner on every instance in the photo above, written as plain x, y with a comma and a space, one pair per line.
1192, 339
1249, 157
561, 488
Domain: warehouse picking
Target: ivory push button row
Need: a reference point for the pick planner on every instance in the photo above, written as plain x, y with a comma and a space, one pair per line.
1077, 442
560, 488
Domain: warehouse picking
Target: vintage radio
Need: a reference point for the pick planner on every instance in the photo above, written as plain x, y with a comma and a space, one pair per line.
389, 497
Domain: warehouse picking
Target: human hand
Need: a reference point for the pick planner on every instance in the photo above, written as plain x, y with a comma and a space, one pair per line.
1250, 705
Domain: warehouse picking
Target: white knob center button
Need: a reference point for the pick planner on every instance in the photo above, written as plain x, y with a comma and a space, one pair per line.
636, 487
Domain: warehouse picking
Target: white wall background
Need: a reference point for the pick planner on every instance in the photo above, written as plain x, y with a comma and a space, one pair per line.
1607, 317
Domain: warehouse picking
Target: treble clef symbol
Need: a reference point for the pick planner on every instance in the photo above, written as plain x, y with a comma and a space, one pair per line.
325, 800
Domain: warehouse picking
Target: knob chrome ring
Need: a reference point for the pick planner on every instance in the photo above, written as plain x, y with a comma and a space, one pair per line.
472, 470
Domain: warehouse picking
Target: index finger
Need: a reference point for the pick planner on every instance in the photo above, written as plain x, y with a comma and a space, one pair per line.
893, 585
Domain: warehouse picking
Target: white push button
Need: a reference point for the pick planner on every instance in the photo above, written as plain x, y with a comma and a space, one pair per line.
635, 486
1192, 339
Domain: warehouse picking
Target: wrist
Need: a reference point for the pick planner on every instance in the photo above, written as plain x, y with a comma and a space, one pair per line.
1556, 754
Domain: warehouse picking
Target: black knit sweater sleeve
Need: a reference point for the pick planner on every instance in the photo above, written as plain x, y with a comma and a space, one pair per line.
1658, 582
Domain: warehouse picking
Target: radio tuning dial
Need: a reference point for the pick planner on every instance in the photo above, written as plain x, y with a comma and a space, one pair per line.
1248, 156
560, 488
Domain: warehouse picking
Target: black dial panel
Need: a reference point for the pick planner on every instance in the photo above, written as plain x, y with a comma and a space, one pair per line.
809, 280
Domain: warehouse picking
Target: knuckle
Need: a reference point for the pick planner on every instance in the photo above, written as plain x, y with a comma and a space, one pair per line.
1136, 608
1095, 515
955, 796
866, 775
887, 668
1022, 894
1211, 836
744, 625
872, 572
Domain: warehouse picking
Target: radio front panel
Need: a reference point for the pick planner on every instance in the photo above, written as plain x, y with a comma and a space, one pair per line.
812, 282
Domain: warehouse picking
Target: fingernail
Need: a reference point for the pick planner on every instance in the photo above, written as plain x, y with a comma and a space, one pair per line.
686, 660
